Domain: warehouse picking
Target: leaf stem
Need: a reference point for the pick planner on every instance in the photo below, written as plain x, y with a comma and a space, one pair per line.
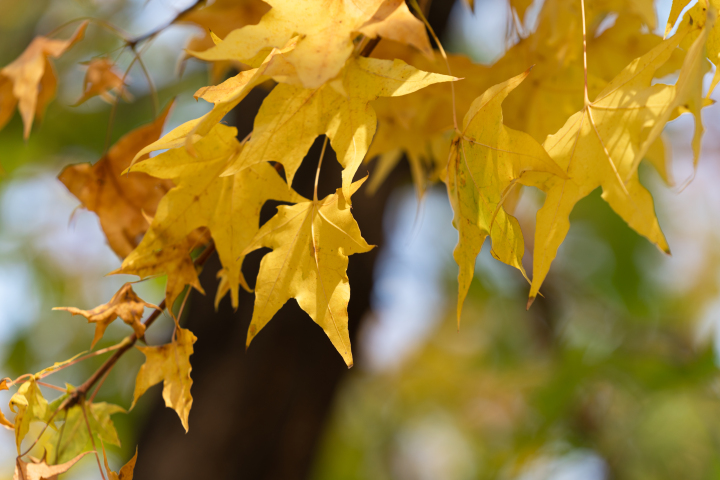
317, 173
585, 67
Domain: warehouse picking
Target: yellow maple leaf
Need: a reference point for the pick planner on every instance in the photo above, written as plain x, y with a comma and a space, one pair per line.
228, 206
486, 162
120, 201
40, 470
169, 364
599, 146
327, 29
29, 81
124, 304
311, 242
101, 78
291, 117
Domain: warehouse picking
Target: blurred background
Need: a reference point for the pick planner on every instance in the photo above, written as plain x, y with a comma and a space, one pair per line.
613, 375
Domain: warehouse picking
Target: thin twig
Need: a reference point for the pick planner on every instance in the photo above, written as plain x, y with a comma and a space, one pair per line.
132, 43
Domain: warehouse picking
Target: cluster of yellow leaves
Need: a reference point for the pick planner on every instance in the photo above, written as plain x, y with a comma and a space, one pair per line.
592, 108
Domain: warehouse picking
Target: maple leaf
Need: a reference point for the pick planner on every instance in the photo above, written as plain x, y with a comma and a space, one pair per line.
311, 242
4, 421
126, 472
120, 201
599, 146
29, 81
40, 470
291, 117
169, 364
101, 78
228, 206
124, 304
486, 162
327, 29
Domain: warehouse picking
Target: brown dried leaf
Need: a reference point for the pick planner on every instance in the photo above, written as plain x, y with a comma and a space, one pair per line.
120, 200
124, 304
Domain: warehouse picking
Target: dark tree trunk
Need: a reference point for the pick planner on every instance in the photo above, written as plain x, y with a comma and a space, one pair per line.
259, 414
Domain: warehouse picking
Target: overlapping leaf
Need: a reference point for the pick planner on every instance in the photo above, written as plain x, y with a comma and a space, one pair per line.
311, 242
486, 162
327, 29
228, 206
599, 146
291, 117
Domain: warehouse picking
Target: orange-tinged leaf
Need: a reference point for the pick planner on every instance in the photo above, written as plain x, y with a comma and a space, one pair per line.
40, 470
30, 79
120, 201
124, 304
101, 79
327, 29
311, 242
169, 364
